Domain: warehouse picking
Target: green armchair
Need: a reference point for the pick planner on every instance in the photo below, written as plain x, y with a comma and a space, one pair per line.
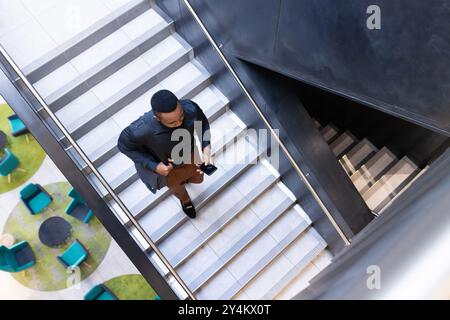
100, 292
8, 164
17, 258
35, 198
78, 208
75, 255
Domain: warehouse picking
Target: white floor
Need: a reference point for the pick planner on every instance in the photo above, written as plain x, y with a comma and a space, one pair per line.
114, 264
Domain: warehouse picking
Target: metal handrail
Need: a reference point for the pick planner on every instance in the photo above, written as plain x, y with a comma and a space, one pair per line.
267, 123
94, 171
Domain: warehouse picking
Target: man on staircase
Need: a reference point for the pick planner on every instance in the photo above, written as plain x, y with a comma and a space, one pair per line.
162, 146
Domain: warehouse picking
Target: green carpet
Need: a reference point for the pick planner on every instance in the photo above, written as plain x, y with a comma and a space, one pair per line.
49, 274
30, 155
131, 287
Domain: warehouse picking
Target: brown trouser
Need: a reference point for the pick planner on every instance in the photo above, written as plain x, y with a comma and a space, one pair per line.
181, 175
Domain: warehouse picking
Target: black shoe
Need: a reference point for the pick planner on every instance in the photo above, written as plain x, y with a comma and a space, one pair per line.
189, 209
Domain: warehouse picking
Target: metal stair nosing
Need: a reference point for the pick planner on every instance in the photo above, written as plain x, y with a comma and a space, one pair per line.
223, 221
247, 239
170, 226
293, 273
147, 204
104, 69
265, 261
59, 56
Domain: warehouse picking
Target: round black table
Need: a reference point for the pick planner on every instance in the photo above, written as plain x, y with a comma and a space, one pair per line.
3, 139
54, 231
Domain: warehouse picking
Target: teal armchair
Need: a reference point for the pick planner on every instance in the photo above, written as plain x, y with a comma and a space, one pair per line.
8, 164
75, 255
100, 292
35, 198
17, 258
17, 126
78, 208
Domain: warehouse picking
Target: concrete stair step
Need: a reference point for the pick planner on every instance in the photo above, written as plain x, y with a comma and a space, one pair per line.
384, 190
122, 88
329, 133
417, 176
216, 222
242, 243
261, 263
106, 68
373, 169
284, 269
358, 155
201, 199
343, 143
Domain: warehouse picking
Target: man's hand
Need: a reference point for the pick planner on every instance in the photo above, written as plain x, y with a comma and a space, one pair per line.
164, 170
207, 159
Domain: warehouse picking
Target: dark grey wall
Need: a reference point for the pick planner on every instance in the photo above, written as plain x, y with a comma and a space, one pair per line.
403, 138
402, 69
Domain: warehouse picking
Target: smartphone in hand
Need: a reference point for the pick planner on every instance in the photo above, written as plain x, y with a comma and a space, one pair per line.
208, 169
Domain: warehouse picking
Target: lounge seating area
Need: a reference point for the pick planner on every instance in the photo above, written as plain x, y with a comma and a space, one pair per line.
16, 258
60, 241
